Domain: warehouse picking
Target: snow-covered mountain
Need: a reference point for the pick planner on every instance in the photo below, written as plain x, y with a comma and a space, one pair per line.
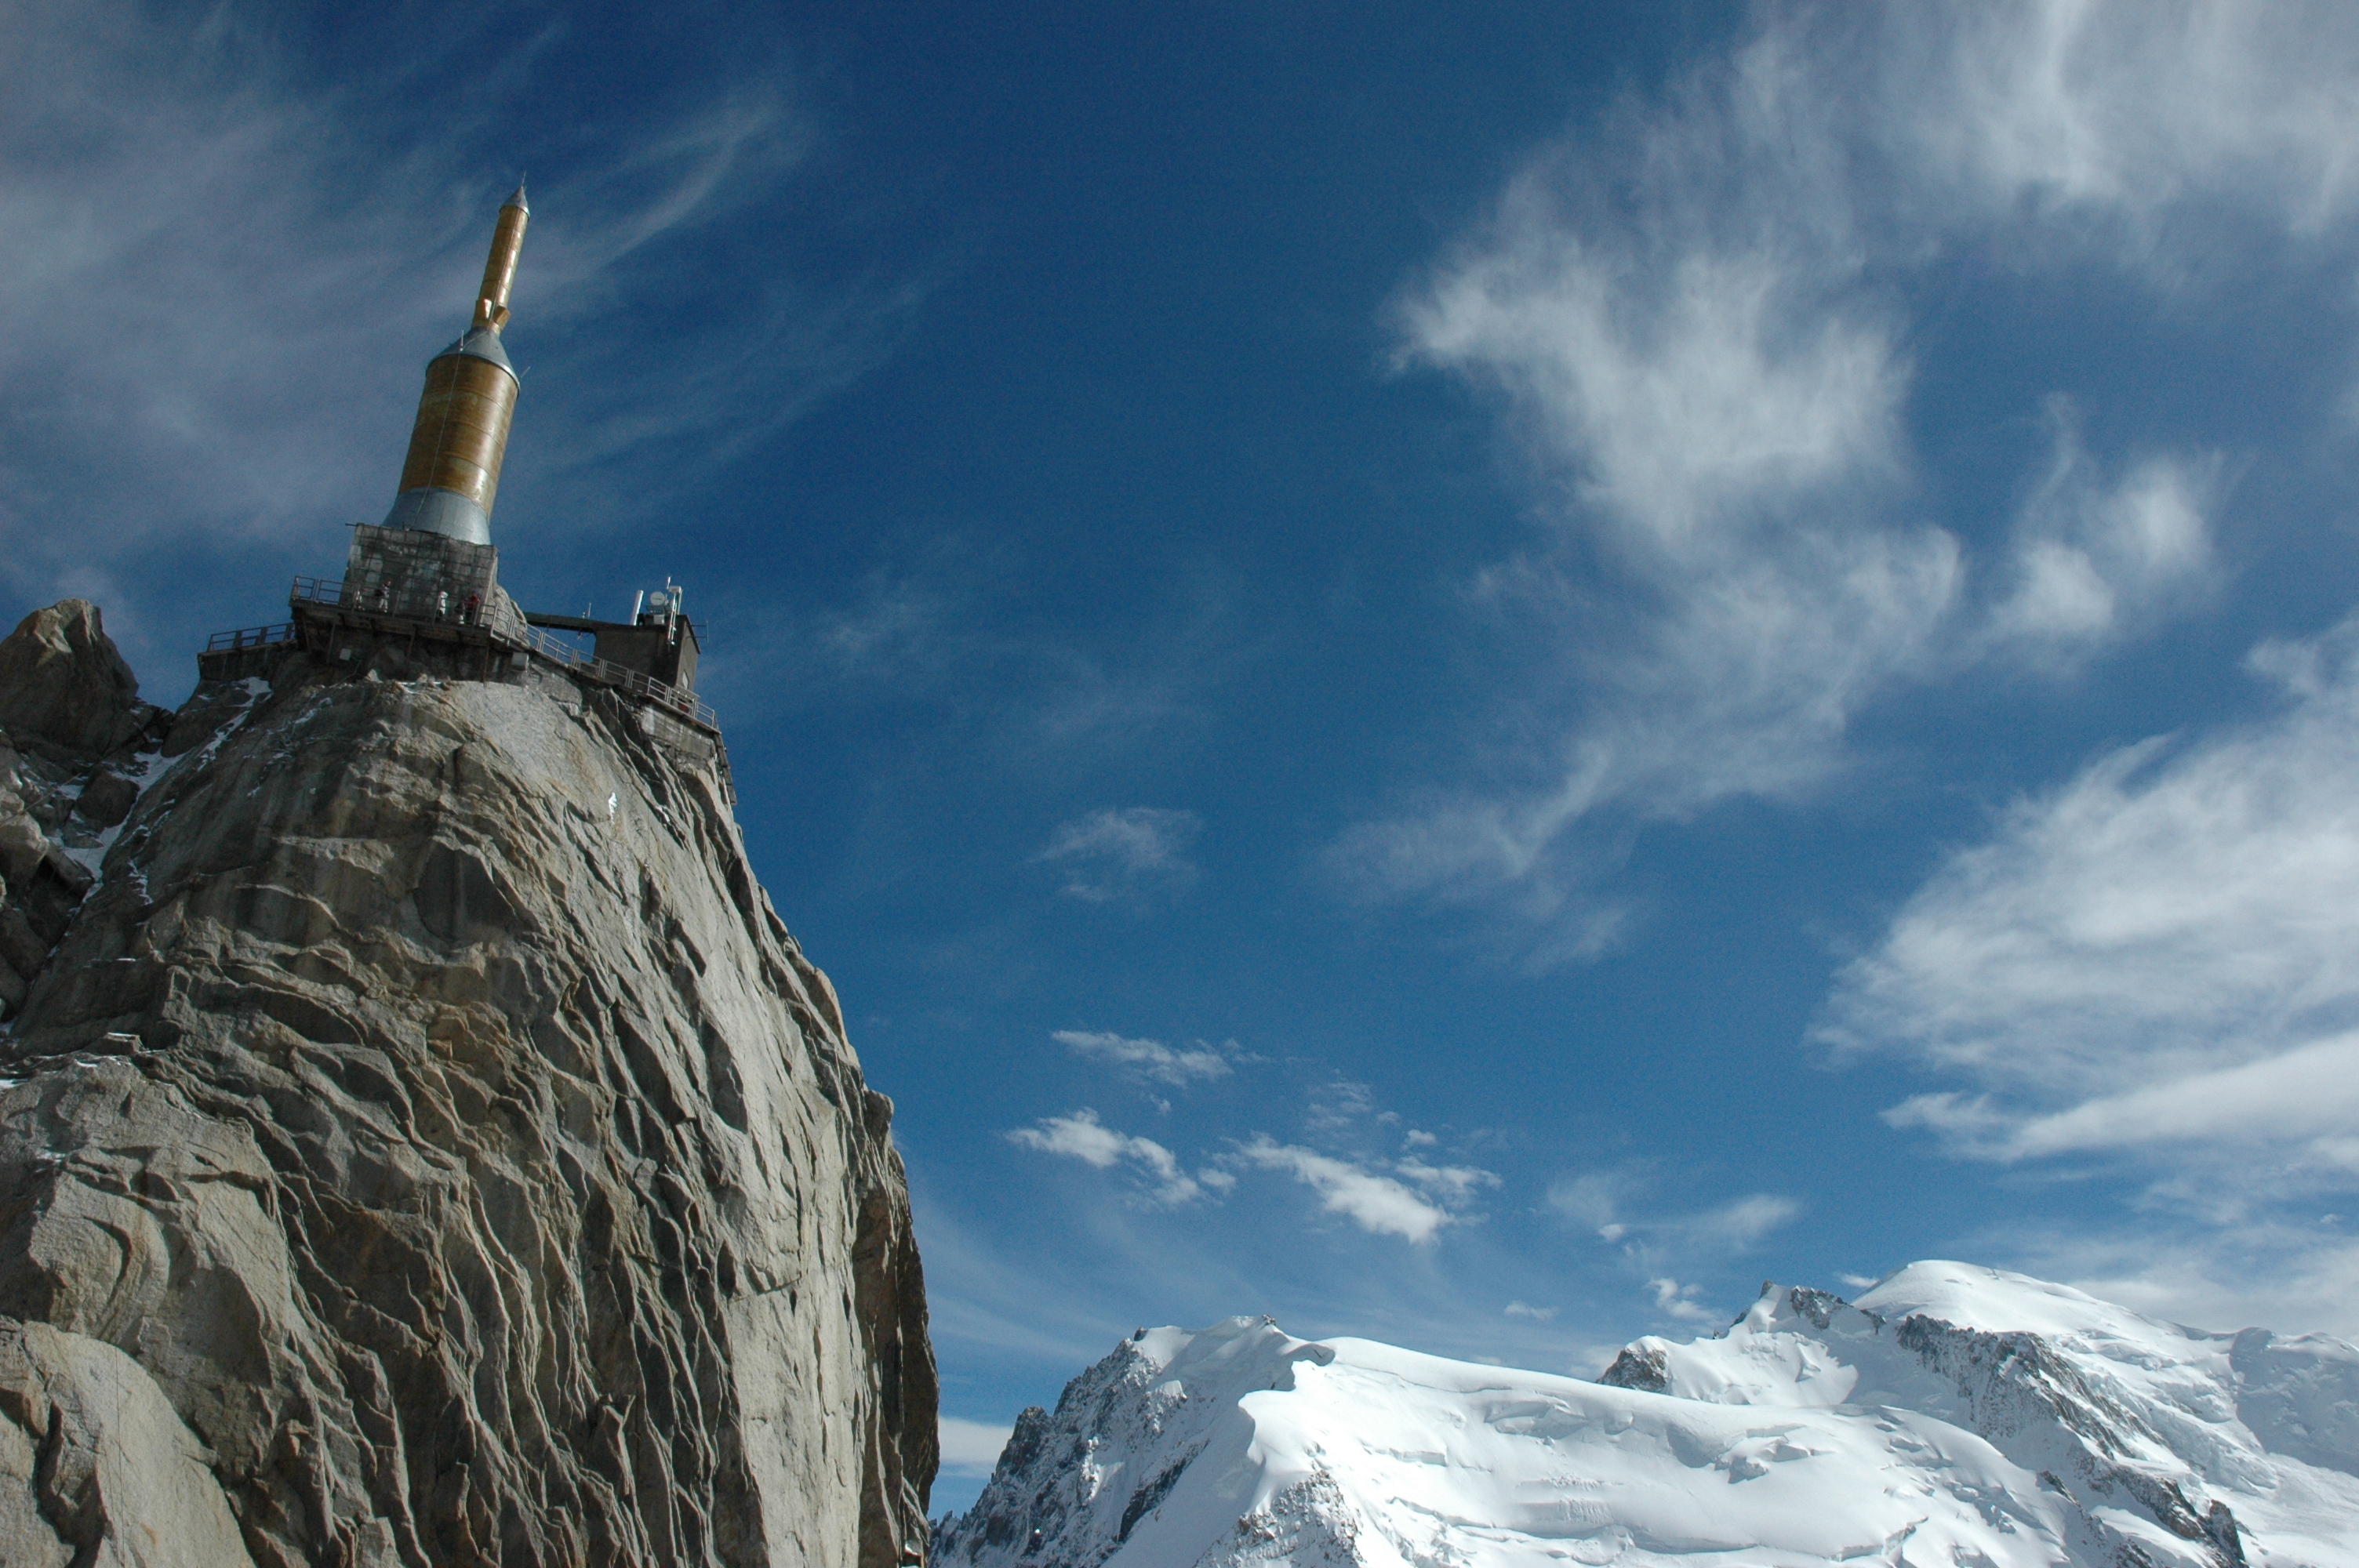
1953, 1415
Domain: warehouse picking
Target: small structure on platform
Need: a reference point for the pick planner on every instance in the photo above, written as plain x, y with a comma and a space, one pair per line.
423, 585
658, 640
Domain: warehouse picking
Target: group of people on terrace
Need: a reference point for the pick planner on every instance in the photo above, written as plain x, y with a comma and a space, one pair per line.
469, 613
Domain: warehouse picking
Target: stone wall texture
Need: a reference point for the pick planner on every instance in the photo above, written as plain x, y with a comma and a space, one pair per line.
423, 1143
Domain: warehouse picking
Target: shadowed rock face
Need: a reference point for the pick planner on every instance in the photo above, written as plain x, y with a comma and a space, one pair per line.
71, 729
427, 1104
62, 683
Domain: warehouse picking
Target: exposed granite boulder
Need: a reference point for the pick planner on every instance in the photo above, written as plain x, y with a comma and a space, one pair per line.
95, 1467
62, 683
429, 1101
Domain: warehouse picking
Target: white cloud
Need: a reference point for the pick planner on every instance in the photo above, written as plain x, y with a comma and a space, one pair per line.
1123, 853
1724, 429
1675, 1300
2095, 561
2161, 955
1594, 1200
2120, 110
2294, 1277
2309, 1094
1339, 1105
1453, 1184
1690, 401
1409, 1196
889, 634
1149, 1058
1740, 1223
972, 1447
1083, 1136
1538, 1315
2295, 1273
1690, 314
1375, 1203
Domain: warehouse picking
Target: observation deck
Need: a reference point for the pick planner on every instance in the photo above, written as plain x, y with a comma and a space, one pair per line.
483, 636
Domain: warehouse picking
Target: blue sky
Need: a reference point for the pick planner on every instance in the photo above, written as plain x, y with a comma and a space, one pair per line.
1473, 675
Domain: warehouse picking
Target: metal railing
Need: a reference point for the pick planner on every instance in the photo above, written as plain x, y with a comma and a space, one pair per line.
414, 603
250, 637
505, 627
670, 698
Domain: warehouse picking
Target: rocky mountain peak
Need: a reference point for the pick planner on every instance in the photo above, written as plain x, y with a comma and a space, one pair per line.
421, 1141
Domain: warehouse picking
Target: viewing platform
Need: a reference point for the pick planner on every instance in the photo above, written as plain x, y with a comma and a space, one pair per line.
329, 605
486, 637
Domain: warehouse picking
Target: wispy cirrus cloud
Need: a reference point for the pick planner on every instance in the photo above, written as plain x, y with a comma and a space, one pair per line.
1149, 1059
2155, 960
1123, 853
1451, 1184
1722, 433
1656, 1242
1596, 1200
929, 631
2098, 556
224, 253
1739, 1224
2115, 116
972, 1447
2295, 1274
1607, 1203
1695, 319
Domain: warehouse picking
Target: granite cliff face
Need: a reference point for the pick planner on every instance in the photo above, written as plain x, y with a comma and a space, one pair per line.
423, 1143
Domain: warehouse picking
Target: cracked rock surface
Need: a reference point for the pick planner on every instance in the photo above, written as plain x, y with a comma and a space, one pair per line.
423, 1143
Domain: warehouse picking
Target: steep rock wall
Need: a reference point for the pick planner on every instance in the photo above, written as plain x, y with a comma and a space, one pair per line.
426, 1100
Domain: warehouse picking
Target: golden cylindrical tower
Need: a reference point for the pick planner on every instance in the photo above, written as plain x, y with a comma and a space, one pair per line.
453, 472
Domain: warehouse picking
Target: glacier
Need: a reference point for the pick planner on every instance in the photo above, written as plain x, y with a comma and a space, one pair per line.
1953, 1414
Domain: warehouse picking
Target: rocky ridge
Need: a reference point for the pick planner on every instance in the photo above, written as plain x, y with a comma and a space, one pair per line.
423, 1143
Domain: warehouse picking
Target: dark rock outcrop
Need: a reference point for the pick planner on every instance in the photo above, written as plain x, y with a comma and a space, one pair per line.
62, 683
416, 1098
1638, 1366
71, 727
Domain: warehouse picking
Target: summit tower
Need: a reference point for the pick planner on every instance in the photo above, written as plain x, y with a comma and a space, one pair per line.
453, 472
420, 594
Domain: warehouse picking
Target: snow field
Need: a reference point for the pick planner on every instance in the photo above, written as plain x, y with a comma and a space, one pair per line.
1957, 1415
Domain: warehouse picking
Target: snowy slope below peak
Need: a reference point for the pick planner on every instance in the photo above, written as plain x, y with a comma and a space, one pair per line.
1955, 1415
